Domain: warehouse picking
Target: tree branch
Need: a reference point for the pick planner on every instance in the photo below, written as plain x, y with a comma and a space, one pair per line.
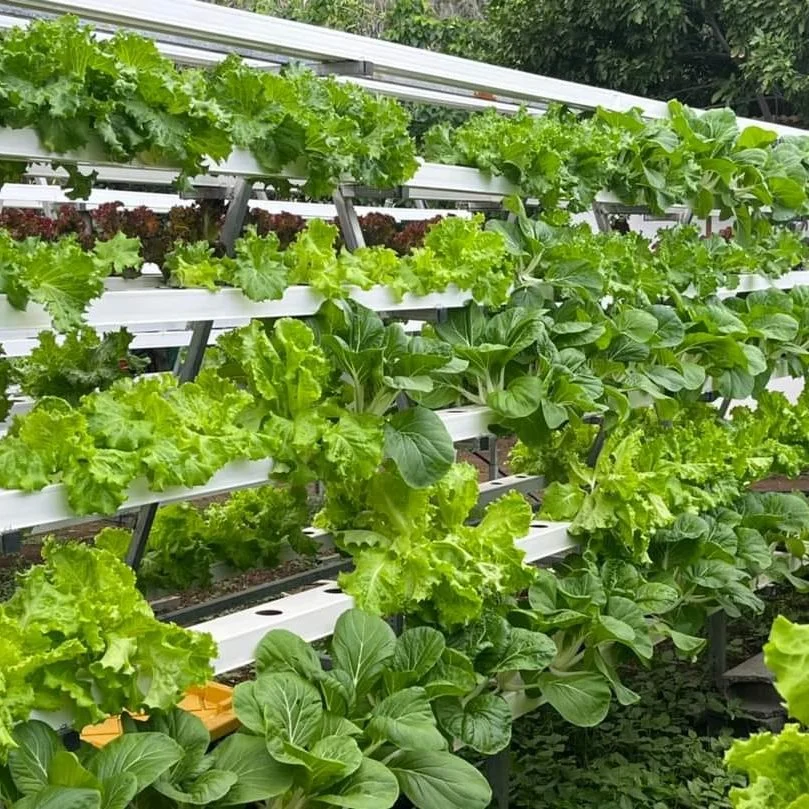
766, 113
717, 31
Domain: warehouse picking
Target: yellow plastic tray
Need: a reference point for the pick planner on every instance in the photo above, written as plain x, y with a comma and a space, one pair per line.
212, 703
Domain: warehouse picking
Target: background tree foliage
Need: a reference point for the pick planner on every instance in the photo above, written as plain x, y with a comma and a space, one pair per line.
752, 55
458, 27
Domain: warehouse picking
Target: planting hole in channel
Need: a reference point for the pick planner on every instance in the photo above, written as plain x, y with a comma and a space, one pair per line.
538, 525
269, 612
333, 590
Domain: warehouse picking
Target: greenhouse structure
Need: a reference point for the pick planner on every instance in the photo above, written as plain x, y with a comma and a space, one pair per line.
331, 451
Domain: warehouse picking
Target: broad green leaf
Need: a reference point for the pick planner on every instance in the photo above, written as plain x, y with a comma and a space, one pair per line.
624, 695
775, 326
290, 706
555, 415
361, 646
666, 378
145, 755
282, 650
334, 725
787, 193
735, 384
581, 697
338, 690
418, 443
687, 644
61, 798
453, 675
188, 731
37, 744
670, 330
65, 770
417, 651
331, 759
260, 777
612, 629
562, 501
754, 137
334, 757
693, 374
657, 598
406, 720
439, 780
630, 614
118, 791
372, 786
522, 650
639, 326
483, 723
519, 400
209, 787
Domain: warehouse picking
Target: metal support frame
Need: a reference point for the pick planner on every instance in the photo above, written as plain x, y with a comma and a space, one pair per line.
349, 221
718, 646
602, 217
258, 593
200, 334
498, 772
494, 468
598, 445
11, 542
356, 68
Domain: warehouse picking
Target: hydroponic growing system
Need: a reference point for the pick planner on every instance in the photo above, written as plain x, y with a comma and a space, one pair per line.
494, 325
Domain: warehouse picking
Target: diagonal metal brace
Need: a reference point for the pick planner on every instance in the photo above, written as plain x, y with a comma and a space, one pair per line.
200, 334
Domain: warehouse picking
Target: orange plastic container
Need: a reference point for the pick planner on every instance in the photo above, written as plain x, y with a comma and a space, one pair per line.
212, 703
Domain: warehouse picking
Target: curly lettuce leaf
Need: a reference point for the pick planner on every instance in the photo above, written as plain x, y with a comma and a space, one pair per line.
94, 644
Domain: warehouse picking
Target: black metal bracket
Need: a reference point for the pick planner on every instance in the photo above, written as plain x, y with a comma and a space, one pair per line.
11, 542
201, 332
498, 774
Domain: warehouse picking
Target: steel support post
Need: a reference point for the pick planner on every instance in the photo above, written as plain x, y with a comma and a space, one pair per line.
718, 646
598, 445
349, 221
602, 218
494, 468
11, 542
200, 334
498, 772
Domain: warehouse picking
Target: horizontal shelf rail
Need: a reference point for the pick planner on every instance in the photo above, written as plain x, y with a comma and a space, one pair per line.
313, 613
146, 301
29, 195
20, 510
236, 29
27, 509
